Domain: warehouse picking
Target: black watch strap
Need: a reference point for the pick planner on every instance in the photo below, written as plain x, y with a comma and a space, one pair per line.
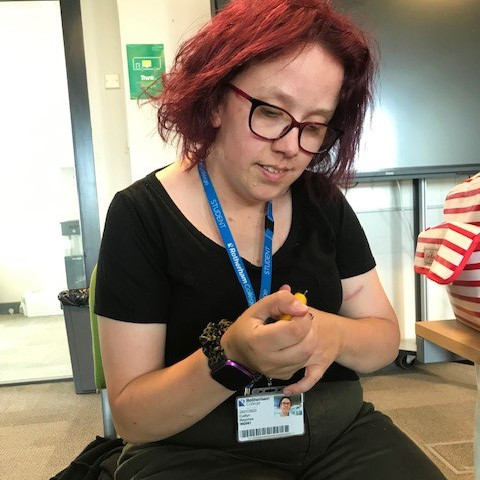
217, 360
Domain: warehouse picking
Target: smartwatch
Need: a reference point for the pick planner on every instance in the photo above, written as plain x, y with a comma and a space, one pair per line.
232, 375
228, 373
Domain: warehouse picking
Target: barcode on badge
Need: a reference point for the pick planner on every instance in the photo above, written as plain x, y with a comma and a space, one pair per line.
256, 432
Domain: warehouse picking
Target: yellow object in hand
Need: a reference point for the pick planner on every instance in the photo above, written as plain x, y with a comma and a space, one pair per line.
298, 296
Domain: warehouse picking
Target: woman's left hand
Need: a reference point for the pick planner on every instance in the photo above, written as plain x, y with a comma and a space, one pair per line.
363, 337
328, 339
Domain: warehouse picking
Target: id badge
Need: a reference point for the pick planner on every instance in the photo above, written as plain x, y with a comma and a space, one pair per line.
268, 414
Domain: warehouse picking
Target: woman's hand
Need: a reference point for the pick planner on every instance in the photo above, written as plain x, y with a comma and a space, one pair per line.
277, 350
363, 337
327, 348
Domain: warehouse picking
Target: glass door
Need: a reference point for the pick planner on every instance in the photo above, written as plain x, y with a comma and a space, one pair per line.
40, 246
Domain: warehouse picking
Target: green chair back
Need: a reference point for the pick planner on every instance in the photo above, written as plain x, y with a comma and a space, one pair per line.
97, 357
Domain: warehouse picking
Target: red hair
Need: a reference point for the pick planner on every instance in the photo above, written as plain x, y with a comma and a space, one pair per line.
249, 31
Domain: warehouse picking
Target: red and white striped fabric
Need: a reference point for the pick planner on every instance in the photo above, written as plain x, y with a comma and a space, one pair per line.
464, 293
449, 253
443, 251
463, 202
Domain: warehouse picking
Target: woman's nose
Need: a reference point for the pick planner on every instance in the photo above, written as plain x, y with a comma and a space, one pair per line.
288, 144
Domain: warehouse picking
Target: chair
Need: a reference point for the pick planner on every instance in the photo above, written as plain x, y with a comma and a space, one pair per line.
108, 426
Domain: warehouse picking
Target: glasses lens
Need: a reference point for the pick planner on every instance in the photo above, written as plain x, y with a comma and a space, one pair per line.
317, 138
269, 122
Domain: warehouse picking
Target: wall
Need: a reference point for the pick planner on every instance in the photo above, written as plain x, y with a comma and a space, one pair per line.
168, 23
125, 140
101, 35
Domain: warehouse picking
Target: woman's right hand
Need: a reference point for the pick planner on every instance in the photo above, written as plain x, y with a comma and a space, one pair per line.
276, 350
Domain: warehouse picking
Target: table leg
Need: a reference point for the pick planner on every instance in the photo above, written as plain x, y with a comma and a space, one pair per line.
476, 440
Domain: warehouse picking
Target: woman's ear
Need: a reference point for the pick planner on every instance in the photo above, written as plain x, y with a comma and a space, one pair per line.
216, 117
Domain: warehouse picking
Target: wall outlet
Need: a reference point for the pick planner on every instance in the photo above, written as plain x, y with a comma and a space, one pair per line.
112, 80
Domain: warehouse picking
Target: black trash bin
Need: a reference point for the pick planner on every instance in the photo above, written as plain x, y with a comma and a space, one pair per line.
77, 322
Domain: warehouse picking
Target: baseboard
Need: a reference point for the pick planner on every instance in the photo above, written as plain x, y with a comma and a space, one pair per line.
17, 383
12, 307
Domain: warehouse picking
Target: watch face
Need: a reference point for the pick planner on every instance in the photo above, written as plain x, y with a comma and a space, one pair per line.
232, 375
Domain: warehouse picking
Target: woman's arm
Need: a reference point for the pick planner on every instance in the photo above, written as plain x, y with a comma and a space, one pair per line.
364, 336
151, 402
369, 330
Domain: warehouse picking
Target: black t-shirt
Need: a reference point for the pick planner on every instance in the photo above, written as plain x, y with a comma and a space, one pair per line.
156, 267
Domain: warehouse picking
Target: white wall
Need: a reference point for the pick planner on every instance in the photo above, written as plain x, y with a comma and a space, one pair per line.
167, 22
101, 35
125, 139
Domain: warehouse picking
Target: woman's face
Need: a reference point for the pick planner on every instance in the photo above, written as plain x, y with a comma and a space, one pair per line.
285, 406
254, 170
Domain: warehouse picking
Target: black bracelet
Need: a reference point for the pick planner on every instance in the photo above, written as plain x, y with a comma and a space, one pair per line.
210, 342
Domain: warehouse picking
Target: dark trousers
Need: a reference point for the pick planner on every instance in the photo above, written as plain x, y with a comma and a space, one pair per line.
345, 439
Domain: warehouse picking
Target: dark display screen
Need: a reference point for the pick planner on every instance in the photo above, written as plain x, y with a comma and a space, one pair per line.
427, 113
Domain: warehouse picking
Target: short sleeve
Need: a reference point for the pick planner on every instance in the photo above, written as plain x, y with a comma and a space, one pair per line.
131, 282
354, 255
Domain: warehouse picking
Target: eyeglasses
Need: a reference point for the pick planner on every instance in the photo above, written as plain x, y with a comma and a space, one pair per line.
271, 123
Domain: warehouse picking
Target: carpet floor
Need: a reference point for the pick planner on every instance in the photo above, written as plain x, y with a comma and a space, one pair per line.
44, 426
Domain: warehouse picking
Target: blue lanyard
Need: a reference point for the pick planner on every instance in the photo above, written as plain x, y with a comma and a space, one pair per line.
229, 242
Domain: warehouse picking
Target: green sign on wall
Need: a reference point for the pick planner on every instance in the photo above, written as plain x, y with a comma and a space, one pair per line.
146, 64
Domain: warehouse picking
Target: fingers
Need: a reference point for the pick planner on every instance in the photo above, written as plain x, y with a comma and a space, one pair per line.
282, 336
278, 349
277, 304
313, 374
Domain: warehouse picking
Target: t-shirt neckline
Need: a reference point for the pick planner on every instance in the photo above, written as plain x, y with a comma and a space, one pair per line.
153, 181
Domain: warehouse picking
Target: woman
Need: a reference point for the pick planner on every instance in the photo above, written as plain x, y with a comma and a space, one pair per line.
285, 405
259, 98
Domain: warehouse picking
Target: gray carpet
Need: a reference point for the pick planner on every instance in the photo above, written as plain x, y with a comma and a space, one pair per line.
435, 405
44, 426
